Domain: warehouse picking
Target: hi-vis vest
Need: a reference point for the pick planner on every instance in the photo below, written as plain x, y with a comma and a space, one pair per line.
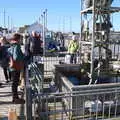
72, 47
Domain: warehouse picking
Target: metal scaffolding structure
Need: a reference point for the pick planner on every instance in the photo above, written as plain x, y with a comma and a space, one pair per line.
95, 33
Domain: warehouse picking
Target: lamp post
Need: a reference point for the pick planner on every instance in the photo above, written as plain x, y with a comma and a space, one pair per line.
11, 25
8, 24
63, 24
70, 24
42, 25
46, 17
4, 19
44, 33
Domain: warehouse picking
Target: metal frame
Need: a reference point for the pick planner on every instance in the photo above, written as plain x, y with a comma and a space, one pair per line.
104, 17
87, 105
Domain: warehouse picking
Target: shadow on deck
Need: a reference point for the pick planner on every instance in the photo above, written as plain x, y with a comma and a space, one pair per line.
6, 100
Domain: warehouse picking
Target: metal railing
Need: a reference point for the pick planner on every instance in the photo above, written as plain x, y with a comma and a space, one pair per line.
49, 63
34, 85
91, 105
97, 103
28, 100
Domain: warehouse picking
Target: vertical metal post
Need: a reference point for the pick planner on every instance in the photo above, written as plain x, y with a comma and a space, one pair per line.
63, 24
11, 25
70, 24
42, 26
8, 25
28, 96
43, 33
80, 44
59, 22
93, 40
46, 17
4, 19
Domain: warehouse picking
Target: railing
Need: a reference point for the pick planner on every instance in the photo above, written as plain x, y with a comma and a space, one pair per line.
28, 100
91, 105
49, 63
34, 85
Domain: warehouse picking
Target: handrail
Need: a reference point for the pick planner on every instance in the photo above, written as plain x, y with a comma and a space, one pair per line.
28, 89
38, 75
28, 98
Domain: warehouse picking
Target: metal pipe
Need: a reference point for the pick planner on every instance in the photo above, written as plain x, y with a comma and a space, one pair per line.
11, 25
63, 24
70, 24
93, 40
44, 33
42, 26
46, 17
59, 22
28, 96
8, 24
80, 48
4, 19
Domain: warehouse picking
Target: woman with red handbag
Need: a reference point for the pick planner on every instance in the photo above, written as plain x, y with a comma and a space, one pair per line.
16, 64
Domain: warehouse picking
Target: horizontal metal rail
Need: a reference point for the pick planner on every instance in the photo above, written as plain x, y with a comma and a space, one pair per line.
28, 100
78, 105
32, 71
37, 77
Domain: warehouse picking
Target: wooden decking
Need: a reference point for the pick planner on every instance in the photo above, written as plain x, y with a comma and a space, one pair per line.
6, 100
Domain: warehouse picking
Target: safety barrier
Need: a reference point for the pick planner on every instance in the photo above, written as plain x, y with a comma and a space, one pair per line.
34, 85
93, 103
57, 106
49, 63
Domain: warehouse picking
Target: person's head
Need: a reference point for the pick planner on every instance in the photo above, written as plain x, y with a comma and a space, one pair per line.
39, 35
73, 38
15, 38
3, 40
34, 33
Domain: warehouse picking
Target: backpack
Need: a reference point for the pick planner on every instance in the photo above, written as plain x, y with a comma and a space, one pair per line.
16, 58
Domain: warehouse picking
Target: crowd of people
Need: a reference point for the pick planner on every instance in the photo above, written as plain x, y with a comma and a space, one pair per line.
13, 59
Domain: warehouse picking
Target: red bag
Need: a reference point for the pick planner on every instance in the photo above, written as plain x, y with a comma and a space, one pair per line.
17, 65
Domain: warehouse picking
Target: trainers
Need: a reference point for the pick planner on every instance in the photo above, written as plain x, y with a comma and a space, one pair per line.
18, 101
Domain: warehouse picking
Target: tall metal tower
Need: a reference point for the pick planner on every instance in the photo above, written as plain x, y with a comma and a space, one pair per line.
95, 32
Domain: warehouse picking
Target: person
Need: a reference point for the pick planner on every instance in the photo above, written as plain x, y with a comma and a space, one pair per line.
72, 49
61, 40
16, 53
52, 47
33, 45
22, 82
4, 59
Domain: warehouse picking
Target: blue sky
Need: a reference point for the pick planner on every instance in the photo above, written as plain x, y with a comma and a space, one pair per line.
28, 11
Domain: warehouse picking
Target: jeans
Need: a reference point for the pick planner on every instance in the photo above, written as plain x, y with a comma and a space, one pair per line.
73, 58
7, 74
15, 77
